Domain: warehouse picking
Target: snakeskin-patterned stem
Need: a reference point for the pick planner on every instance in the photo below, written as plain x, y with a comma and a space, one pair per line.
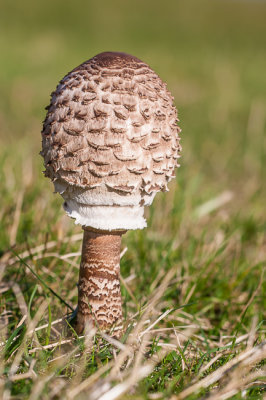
99, 297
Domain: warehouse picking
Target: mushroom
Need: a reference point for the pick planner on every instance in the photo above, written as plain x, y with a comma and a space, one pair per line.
110, 142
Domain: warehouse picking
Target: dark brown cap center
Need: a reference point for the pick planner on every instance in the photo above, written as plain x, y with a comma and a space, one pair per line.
116, 59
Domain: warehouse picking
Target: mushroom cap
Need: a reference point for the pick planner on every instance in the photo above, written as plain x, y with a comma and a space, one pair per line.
110, 138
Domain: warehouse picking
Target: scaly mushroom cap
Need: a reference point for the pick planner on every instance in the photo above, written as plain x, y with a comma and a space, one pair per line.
110, 140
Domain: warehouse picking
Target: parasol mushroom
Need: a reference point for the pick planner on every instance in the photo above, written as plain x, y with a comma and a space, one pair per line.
110, 143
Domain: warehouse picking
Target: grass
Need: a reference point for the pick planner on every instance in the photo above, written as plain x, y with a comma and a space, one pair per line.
192, 283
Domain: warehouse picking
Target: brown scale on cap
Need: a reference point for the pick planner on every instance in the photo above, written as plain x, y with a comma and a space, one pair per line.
112, 119
110, 139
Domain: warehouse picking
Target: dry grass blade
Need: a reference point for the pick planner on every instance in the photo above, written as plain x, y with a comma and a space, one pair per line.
89, 381
124, 283
213, 204
113, 341
245, 360
253, 295
36, 329
31, 374
123, 387
131, 376
19, 296
58, 363
65, 257
81, 364
45, 284
237, 383
155, 322
31, 326
38, 387
14, 227
43, 247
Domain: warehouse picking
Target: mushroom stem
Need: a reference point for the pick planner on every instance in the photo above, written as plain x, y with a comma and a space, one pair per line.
99, 296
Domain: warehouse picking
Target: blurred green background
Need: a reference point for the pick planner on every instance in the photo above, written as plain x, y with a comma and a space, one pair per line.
212, 54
